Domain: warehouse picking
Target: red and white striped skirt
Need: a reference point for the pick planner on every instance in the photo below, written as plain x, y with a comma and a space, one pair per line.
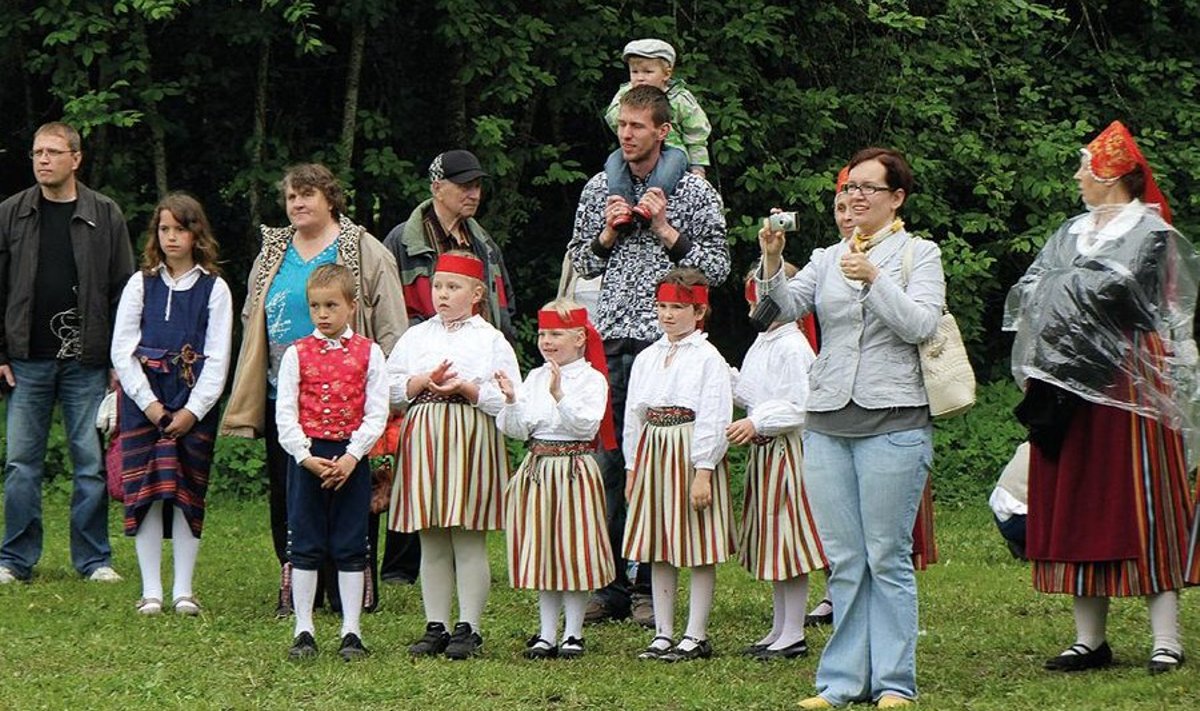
452, 470
778, 539
555, 518
661, 525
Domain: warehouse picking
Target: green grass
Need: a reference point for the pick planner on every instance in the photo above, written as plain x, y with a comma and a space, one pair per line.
65, 643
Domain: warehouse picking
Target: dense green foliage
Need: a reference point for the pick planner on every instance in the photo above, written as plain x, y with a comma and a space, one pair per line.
990, 100
984, 632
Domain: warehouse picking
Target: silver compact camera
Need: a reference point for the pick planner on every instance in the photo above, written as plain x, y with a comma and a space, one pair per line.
783, 222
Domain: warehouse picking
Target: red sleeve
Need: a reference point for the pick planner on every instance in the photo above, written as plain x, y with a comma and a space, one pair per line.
418, 298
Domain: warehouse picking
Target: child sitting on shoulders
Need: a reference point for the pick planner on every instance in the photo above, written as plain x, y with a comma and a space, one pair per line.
678, 408
453, 465
778, 540
652, 62
332, 405
557, 533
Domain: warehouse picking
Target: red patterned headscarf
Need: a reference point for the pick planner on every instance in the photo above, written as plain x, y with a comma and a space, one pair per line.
1113, 154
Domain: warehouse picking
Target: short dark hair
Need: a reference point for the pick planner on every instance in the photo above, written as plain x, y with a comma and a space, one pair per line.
336, 276
304, 176
649, 97
899, 174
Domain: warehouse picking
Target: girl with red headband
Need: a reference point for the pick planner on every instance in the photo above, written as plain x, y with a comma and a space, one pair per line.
557, 535
453, 465
778, 539
1104, 350
679, 404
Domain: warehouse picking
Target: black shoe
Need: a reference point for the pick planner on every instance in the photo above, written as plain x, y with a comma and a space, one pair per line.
654, 651
1078, 657
464, 643
1164, 660
433, 643
599, 611
811, 620
571, 648
352, 648
538, 648
397, 580
753, 650
702, 650
798, 649
303, 647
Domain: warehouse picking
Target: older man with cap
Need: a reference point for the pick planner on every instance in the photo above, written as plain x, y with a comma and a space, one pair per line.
444, 222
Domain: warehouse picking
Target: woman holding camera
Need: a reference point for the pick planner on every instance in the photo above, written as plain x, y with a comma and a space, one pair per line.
868, 440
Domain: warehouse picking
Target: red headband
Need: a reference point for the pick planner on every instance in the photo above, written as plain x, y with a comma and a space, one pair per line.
459, 264
1114, 153
593, 353
842, 176
678, 294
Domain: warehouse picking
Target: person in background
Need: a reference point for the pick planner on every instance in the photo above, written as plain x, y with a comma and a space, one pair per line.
64, 257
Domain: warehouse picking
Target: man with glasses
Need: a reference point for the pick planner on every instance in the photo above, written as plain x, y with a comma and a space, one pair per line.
64, 258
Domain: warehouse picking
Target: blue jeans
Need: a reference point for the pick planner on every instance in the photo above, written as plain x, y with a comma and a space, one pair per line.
79, 390
666, 174
864, 493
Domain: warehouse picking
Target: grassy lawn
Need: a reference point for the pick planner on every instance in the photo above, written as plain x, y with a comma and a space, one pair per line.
68, 644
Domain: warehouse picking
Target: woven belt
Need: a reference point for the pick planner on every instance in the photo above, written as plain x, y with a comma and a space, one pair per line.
425, 397
551, 448
669, 416
761, 440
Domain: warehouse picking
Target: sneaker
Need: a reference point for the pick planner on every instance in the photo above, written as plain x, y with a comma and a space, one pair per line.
186, 605
7, 576
433, 643
464, 642
641, 609
352, 648
303, 647
149, 606
105, 574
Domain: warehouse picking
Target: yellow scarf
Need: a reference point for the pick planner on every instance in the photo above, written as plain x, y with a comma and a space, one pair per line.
861, 242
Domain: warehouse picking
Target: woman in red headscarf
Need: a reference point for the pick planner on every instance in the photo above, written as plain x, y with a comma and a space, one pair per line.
1105, 353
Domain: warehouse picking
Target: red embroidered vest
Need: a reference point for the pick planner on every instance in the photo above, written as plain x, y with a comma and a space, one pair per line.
333, 385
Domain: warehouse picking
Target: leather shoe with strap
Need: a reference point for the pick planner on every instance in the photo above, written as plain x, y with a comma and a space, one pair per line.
1080, 657
1164, 660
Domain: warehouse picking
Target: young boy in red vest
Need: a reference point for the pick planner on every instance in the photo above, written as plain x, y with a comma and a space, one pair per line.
332, 405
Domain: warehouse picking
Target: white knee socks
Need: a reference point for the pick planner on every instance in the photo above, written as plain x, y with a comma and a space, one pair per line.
304, 593
1091, 619
148, 543
574, 606
1164, 620
794, 594
704, 582
549, 603
186, 548
473, 573
350, 589
663, 579
437, 574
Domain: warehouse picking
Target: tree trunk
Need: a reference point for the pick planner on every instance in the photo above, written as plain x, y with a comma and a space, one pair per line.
358, 40
160, 150
258, 138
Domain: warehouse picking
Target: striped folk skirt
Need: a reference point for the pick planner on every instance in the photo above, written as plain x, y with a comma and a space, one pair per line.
555, 519
174, 471
661, 525
452, 470
778, 539
1150, 458
924, 545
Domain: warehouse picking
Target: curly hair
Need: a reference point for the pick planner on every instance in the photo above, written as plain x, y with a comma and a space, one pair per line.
314, 176
189, 213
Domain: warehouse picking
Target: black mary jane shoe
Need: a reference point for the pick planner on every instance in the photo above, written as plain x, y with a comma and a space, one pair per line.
753, 650
1164, 660
792, 651
1080, 657
538, 648
655, 652
701, 649
571, 648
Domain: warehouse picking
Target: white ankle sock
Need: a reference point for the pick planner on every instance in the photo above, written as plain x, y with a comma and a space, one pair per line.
304, 592
186, 548
148, 543
350, 589
549, 603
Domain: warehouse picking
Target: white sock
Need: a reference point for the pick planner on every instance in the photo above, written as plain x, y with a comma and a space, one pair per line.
473, 574
437, 574
186, 548
704, 583
664, 577
777, 616
148, 543
1091, 619
1164, 620
795, 594
574, 606
350, 589
304, 592
549, 603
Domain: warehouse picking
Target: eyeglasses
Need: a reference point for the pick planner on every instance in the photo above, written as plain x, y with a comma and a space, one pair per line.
48, 153
865, 189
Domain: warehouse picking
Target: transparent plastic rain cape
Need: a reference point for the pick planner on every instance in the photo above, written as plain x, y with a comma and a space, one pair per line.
1105, 312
